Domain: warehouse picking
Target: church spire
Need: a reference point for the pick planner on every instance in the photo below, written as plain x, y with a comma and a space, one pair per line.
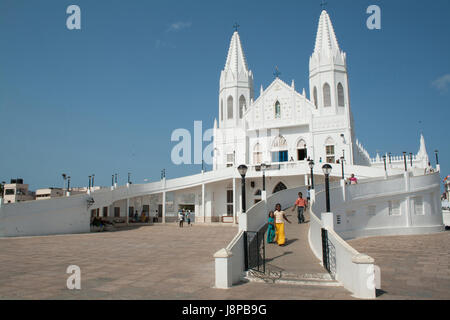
326, 41
236, 59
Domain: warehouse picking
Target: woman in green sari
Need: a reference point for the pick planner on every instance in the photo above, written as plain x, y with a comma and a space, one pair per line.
271, 228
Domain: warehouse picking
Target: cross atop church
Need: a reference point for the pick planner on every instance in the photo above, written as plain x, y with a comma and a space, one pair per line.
236, 26
323, 3
277, 72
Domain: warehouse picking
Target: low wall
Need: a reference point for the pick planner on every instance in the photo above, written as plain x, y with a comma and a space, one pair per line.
355, 271
46, 217
229, 263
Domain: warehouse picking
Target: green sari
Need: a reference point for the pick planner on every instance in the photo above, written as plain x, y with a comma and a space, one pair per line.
271, 230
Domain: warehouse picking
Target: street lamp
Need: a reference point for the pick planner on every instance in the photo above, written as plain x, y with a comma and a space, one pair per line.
411, 158
263, 168
64, 176
342, 167
90, 177
112, 181
115, 178
242, 171
390, 158
404, 160
93, 176
68, 184
311, 166
436, 153
384, 160
327, 170
129, 181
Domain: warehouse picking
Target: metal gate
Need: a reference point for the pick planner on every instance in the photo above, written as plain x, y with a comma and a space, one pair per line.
328, 254
255, 250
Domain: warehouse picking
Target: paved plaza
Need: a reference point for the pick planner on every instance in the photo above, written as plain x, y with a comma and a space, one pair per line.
412, 267
153, 262
166, 262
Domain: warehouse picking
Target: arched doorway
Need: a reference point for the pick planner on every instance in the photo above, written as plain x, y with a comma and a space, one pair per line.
279, 187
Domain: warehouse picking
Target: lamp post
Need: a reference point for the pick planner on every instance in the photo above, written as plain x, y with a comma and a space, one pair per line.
93, 176
263, 168
68, 185
411, 158
112, 181
385, 166
436, 153
311, 166
342, 167
327, 170
64, 176
115, 178
404, 160
243, 171
390, 158
90, 177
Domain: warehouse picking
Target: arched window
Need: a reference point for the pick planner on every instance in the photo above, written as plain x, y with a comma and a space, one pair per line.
230, 107
326, 95
242, 107
315, 96
277, 110
302, 152
341, 99
221, 110
330, 150
279, 150
257, 154
279, 187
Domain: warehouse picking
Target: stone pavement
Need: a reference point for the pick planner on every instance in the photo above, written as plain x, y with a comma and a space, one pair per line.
152, 262
412, 267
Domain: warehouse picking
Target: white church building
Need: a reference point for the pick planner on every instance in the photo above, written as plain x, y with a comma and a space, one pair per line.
282, 128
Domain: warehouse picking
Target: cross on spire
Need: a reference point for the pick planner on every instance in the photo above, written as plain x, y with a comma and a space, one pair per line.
277, 72
236, 26
323, 3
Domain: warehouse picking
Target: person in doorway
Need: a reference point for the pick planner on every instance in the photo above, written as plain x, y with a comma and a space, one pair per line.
136, 216
181, 218
271, 228
300, 204
279, 225
188, 217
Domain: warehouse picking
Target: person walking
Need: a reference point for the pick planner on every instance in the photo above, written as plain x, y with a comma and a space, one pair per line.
271, 228
181, 218
280, 216
188, 217
300, 204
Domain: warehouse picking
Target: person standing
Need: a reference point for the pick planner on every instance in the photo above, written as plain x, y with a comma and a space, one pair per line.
188, 217
181, 218
300, 204
279, 225
308, 194
271, 228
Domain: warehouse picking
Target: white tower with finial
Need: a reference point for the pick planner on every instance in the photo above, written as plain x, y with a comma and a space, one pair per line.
236, 86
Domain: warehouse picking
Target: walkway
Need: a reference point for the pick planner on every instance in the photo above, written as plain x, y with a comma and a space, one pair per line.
294, 263
412, 267
296, 256
153, 262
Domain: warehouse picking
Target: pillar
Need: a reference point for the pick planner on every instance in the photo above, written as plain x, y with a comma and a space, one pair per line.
127, 211
164, 207
203, 203
234, 202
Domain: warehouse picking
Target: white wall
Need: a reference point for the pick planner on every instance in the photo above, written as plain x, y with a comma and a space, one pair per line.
54, 216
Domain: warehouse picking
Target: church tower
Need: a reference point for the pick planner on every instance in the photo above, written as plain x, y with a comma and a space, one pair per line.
236, 86
328, 80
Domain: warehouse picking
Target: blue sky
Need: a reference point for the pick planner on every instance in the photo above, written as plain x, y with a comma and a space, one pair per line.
106, 98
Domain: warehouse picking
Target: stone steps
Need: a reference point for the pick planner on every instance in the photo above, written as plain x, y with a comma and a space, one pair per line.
281, 277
